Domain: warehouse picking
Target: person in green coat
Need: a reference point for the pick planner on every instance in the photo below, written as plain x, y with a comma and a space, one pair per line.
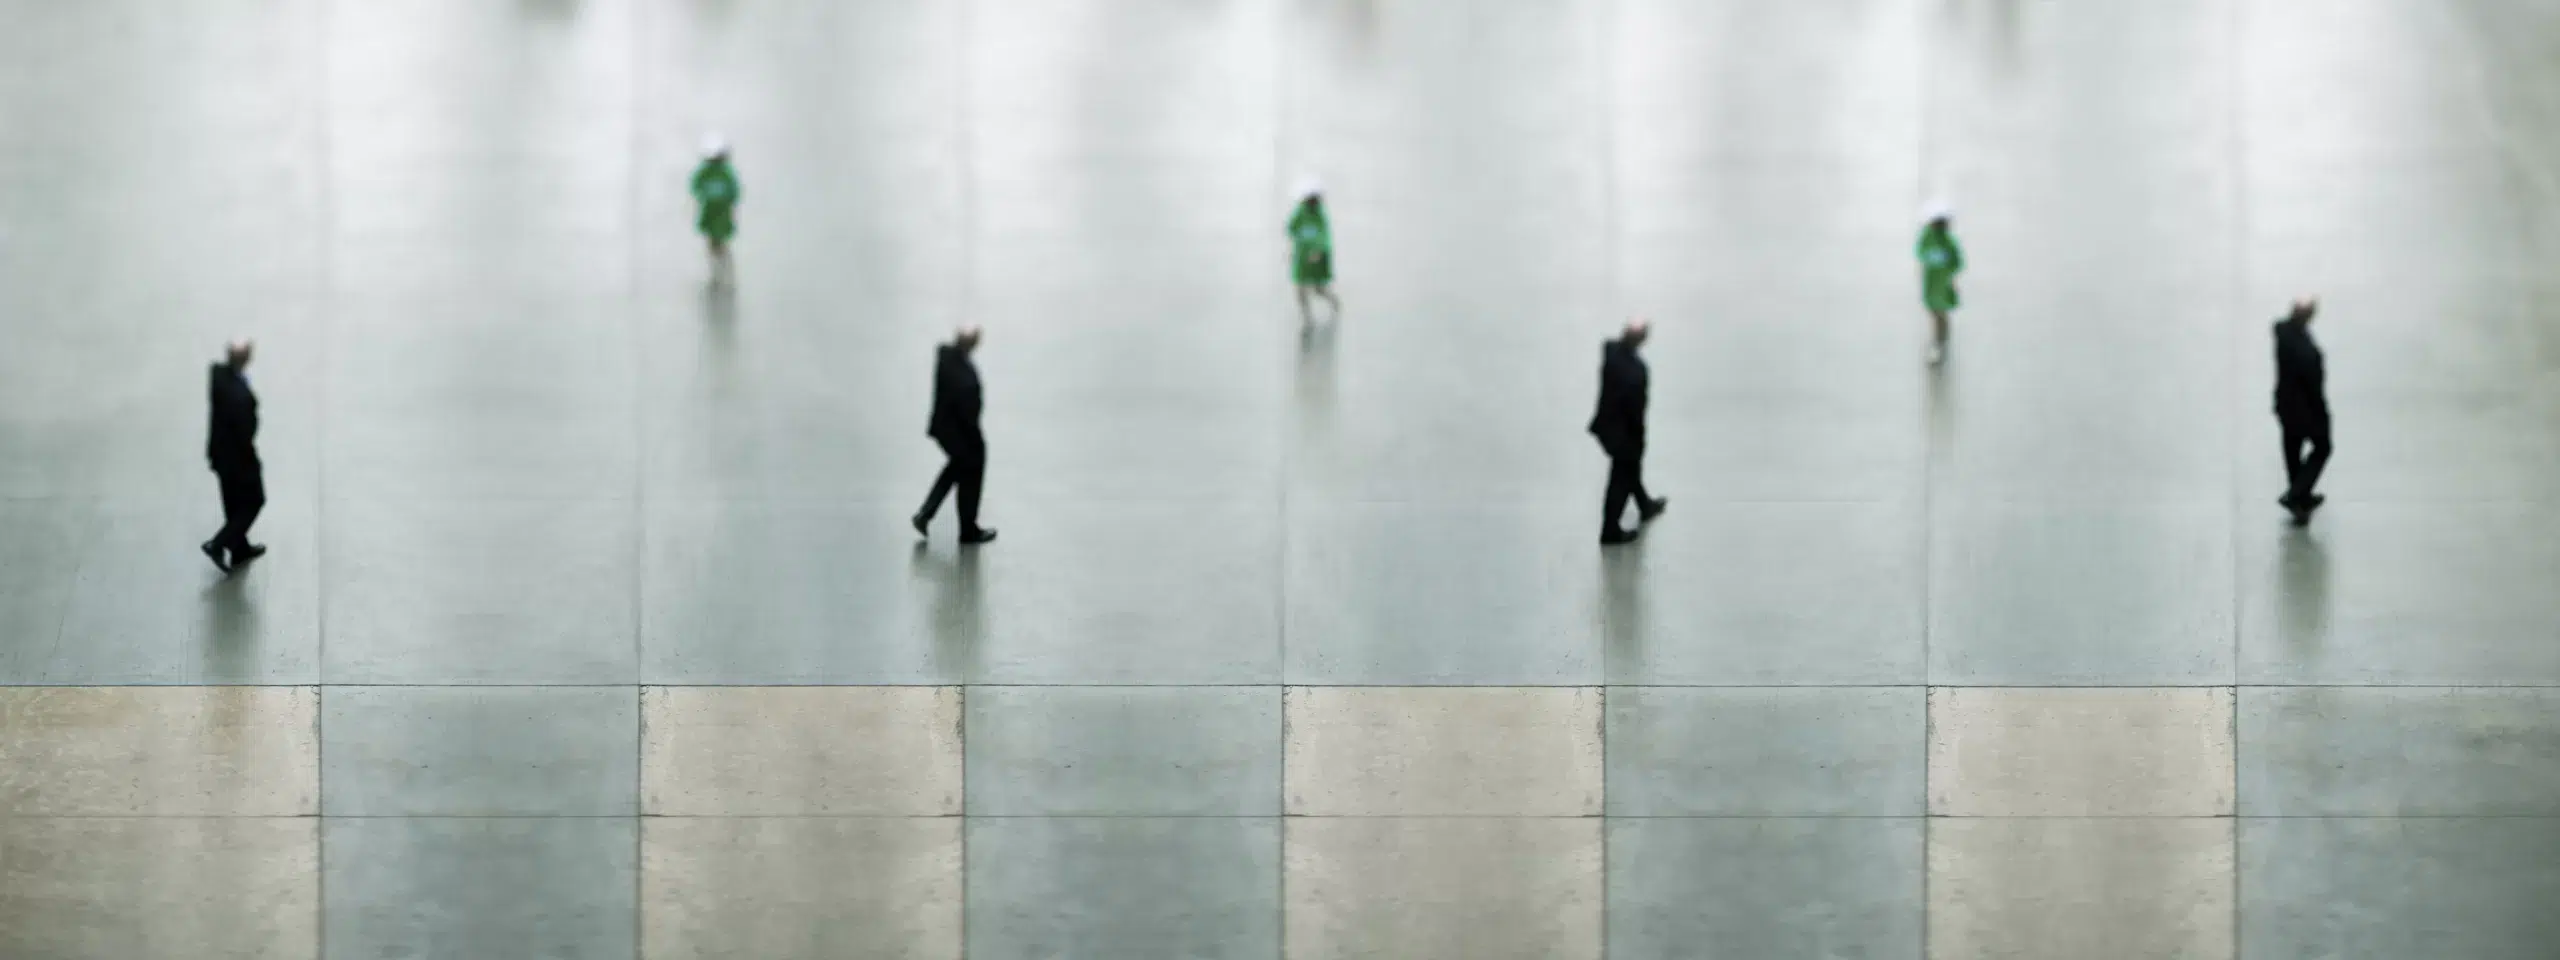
715, 190
1940, 261
1311, 251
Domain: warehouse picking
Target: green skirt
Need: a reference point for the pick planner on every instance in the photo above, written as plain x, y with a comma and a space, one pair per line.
1315, 271
718, 221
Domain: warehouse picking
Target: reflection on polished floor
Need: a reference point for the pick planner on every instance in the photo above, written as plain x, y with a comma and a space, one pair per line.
593, 628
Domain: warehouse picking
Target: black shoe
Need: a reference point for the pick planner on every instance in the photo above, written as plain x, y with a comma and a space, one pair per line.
248, 553
1613, 536
1646, 510
213, 552
920, 521
978, 536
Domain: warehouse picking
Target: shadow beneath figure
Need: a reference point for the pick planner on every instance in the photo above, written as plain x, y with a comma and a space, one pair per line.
230, 626
2302, 582
1316, 377
1622, 609
959, 607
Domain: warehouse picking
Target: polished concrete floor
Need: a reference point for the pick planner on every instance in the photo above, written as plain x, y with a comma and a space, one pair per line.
593, 627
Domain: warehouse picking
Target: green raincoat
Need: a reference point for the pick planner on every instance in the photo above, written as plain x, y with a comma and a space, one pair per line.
715, 187
1311, 246
1940, 261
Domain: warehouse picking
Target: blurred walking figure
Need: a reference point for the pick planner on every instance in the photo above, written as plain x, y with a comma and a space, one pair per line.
957, 401
715, 191
2302, 409
1619, 423
1311, 251
1940, 261
231, 448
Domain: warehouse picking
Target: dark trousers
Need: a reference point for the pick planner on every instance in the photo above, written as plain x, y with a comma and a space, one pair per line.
2301, 468
966, 469
244, 493
1626, 479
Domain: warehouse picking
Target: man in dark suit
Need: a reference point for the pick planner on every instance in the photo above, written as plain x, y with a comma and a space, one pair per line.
231, 447
1619, 423
957, 400
2302, 409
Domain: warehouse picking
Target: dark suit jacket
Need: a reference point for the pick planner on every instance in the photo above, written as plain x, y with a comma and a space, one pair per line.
231, 442
1624, 383
957, 397
2301, 377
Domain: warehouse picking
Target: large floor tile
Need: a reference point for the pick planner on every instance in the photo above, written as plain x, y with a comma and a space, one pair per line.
502, 592
782, 888
1426, 751
1769, 593
800, 751
485, 887
1774, 752
2124, 594
2106, 889
2386, 752
159, 751
1418, 593
1092, 592
245, 888
1124, 751
480, 751
795, 593
2371, 889
1429, 889
1752, 887
2087, 752
2403, 593
1124, 886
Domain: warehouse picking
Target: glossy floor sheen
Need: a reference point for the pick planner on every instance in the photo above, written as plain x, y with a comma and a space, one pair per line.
593, 627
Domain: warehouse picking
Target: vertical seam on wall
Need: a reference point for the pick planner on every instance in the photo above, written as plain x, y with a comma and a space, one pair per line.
2236, 86
965, 159
325, 303
634, 331
1284, 543
1613, 293
1925, 154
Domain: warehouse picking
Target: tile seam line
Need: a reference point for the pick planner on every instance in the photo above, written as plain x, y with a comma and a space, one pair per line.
2374, 817
324, 30
2484, 688
637, 582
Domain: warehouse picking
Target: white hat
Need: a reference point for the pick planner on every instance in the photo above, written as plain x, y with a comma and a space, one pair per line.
1936, 210
1309, 186
714, 145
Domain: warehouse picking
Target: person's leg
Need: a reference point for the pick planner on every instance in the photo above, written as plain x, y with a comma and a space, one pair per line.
1938, 327
1623, 482
1648, 506
2317, 436
253, 501
1306, 311
218, 549
1326, 291
2294, 488
942, 483
973, 478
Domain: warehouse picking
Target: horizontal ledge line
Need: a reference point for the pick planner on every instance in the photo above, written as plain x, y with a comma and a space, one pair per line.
1253, 816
